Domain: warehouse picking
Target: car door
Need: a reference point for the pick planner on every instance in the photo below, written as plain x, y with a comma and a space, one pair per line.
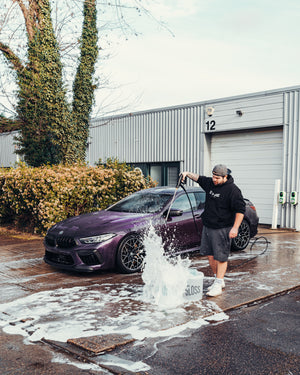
183, 232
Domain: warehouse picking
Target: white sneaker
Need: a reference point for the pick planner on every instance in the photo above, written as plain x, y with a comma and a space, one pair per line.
215, 290
223, 285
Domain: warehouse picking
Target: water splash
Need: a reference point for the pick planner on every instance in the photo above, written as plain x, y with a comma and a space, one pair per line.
165, 279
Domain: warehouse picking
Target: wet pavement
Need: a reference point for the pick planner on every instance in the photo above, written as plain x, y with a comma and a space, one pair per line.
262, 339
43, 312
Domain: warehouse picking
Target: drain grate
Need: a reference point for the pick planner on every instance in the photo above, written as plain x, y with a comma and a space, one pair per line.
99, 344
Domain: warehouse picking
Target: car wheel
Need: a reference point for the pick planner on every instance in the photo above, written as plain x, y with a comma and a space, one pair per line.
131, 254
242, 240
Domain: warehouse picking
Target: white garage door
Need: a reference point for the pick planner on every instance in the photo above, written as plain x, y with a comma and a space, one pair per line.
255, 159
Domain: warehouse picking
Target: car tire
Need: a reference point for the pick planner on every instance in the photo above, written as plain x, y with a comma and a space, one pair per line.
242, 240
131, 254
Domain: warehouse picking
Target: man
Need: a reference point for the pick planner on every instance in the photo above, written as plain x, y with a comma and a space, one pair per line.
222, 216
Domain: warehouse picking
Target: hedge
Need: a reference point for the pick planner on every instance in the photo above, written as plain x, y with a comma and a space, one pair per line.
37, 198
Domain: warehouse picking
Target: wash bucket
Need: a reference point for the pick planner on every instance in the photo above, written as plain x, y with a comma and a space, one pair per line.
194, 287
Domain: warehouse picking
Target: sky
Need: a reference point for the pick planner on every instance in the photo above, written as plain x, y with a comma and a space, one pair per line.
190, 51
213, 49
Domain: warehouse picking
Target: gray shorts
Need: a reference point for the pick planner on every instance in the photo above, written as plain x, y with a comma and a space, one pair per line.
216, 242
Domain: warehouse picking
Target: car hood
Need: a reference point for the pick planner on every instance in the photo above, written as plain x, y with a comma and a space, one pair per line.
100, 222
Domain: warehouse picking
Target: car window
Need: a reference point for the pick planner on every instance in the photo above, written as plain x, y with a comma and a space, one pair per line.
200, 199
197, 200
182, 202
142, 203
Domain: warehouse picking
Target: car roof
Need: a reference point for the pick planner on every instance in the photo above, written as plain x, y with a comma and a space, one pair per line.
171, 189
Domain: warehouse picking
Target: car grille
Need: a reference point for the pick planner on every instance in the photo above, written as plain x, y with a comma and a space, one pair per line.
63, 242
59, 258
50, 241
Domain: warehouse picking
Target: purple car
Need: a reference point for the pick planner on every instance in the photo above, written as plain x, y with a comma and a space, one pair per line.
114, 237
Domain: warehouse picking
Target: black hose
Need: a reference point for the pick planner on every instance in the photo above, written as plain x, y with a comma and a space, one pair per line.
181, 183
196, 226
256, 256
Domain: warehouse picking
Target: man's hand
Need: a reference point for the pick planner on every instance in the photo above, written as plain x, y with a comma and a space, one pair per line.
192, 176
237, 222
233, 232
183, 176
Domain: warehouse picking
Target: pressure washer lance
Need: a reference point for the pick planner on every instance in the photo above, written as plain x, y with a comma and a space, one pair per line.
179, 183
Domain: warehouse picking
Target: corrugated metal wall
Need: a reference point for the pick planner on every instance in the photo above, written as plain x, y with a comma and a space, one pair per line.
260, 111
164, 135
7, 156
184, 134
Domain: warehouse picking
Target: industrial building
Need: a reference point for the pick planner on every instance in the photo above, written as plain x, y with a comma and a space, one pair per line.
256, 135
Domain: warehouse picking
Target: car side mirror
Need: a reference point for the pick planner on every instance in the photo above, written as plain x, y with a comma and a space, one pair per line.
173, 212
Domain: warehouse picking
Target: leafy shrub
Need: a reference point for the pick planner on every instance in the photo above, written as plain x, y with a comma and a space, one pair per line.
37, 198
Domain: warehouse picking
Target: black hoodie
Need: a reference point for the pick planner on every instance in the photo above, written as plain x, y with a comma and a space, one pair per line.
222, 202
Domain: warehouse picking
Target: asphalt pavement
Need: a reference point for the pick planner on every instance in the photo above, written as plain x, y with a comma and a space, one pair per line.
252, 328
261, 339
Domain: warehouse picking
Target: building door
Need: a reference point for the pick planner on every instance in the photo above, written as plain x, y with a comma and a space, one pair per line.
255, 159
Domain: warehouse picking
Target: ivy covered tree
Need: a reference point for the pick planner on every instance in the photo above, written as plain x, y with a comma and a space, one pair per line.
8, 125
51, 130
83, 88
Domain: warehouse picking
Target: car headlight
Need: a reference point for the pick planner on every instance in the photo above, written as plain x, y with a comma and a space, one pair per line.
97, 239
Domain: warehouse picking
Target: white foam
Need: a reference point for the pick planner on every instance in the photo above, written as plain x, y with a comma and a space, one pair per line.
165, 279
58, 358
16, 264
96, 311
156, 310
87, 311
217, 317
112, 360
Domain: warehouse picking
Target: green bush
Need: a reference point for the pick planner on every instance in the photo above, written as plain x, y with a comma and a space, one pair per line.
37, 198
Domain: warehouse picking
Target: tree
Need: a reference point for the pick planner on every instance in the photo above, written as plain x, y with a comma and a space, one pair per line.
49, 106
84, 87
52, 131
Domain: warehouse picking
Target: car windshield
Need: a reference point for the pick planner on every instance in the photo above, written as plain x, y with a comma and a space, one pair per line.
142, 203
